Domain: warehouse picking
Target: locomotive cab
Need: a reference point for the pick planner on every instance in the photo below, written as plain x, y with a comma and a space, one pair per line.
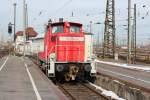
64, 52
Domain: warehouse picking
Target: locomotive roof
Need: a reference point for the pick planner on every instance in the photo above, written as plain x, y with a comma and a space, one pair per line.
59, 23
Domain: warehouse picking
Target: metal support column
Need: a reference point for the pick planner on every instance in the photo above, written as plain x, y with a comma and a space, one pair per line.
135, 21
24, 24
109, 45
129, 33
14, 21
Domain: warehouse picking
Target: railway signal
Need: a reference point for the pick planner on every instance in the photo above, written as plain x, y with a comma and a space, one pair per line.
10, 28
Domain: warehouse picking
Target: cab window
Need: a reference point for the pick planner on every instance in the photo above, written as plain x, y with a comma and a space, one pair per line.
75, 29
57, 29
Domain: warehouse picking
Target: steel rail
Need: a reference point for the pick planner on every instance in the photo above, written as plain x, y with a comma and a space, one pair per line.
70, 95
85, 89
96, 92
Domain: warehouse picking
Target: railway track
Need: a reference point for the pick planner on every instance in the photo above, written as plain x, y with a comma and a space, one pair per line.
81, 91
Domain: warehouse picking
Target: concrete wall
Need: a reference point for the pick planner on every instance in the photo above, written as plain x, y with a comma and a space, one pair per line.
125, 91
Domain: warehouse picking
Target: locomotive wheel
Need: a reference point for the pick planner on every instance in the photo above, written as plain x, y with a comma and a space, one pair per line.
59, 77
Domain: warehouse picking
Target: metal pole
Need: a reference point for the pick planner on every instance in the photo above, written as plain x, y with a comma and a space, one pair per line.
132, 43
129, 32
114, 28
26, 13
98, 39
14, 21
135, 32
24, 24
91, 39
90, 26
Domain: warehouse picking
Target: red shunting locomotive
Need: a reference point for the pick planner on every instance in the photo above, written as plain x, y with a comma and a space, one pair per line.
67, 53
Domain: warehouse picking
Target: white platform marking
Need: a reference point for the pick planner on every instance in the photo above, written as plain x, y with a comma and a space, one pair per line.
33, 84
126, 76
4, 64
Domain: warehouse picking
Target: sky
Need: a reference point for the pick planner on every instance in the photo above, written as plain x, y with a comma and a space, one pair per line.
84, 11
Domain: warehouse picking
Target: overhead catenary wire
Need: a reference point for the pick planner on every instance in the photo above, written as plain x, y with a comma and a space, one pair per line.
62, 7
56, 11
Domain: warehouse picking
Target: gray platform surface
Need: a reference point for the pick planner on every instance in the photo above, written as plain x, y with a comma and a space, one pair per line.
16, 83
136, 77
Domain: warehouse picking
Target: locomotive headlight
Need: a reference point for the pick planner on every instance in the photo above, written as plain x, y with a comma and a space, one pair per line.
59, 68
87, 68
53, 56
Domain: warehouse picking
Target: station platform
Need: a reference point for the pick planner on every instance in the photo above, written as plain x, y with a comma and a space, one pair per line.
21, 79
